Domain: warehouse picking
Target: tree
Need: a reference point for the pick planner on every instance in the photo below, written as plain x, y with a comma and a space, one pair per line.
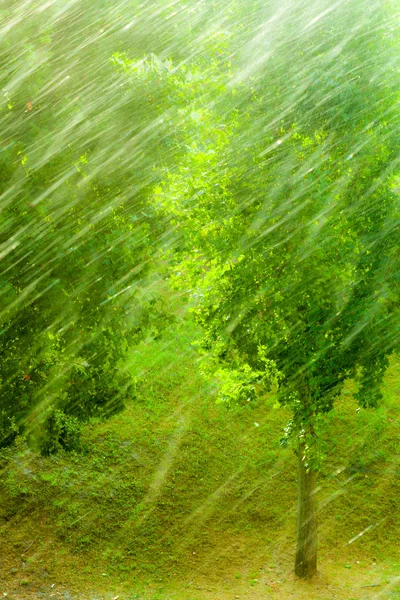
288, 243
76, 231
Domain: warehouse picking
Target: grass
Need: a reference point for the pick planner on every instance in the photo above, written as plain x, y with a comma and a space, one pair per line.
180, 497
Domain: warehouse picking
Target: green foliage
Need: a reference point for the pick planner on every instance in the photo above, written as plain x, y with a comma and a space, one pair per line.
289, 223
76, 234
68, 311
61, 431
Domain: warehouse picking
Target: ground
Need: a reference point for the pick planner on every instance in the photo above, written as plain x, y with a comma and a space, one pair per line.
344, 582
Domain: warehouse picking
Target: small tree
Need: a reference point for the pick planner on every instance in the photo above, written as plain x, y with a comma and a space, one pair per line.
289, 251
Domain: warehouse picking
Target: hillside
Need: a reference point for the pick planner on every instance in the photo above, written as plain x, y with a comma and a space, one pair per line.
181, 497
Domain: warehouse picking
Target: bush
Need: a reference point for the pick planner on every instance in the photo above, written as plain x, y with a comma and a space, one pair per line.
60, 431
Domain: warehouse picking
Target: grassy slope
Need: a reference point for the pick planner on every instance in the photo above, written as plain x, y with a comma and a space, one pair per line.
178, 497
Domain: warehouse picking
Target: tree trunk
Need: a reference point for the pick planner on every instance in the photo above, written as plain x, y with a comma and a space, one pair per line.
306, 551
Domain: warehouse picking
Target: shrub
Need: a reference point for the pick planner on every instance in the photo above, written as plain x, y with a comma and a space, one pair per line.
60, 431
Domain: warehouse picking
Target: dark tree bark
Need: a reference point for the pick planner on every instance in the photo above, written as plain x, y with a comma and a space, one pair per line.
306, 551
